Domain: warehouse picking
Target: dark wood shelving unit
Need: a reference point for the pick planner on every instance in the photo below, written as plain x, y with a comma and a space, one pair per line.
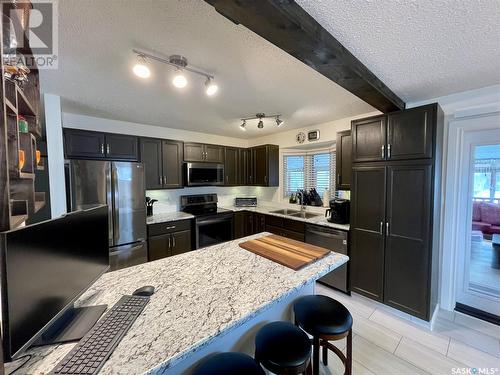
18, 198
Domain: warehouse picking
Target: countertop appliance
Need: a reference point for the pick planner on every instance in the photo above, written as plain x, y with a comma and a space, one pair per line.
202, 174
245, 201
339, 211
45, 268
335, 240
120, 185
213, 225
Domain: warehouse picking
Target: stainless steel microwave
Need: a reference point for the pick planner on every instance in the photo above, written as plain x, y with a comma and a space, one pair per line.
202, 174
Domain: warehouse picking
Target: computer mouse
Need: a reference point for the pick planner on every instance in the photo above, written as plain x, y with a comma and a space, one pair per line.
144, 291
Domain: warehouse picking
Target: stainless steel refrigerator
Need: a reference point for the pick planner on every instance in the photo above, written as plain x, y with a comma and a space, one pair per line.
120, 185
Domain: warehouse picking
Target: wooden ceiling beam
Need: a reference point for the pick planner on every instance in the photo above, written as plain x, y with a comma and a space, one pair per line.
286, 25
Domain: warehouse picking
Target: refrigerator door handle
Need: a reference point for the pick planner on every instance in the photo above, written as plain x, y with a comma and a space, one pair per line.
109, 201
116, 208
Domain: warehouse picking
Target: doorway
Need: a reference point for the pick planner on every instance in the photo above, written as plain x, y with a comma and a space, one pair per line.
478, 245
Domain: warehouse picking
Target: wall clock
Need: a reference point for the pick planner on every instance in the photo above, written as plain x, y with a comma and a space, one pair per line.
300, 138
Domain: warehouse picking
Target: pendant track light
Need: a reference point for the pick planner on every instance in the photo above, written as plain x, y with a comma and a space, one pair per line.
181, 64
243, 125
260, 124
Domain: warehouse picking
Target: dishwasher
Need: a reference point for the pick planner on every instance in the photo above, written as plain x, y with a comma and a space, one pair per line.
334, 240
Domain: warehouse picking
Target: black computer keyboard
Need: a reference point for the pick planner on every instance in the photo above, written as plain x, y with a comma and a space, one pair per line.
97, 345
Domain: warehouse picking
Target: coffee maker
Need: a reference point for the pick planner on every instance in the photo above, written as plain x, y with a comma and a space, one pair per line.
339, 211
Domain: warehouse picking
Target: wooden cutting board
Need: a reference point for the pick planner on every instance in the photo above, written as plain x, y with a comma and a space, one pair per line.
285, 251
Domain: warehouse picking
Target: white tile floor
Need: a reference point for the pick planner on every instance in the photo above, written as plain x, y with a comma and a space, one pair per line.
384, 343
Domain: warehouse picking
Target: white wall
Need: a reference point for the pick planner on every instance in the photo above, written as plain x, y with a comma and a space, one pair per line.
71, 120
469, 104
55, 152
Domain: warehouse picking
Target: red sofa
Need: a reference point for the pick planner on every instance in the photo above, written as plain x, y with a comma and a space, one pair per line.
486, 217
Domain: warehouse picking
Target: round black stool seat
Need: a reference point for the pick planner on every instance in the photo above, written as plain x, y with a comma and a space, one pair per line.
282, 347
322, 315
229, 363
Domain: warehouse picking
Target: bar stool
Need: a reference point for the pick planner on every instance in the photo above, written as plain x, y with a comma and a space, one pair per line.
229, 363
283, 348
325, 319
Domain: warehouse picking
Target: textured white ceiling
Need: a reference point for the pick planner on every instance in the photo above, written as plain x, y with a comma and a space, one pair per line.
421, 49
95, 60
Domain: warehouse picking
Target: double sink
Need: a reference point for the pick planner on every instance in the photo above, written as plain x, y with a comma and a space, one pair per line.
295, 213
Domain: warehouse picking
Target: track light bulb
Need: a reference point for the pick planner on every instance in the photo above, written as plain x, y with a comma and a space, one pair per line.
243, 125
279, 121
179, 80
211, 87
260, 125
141, 68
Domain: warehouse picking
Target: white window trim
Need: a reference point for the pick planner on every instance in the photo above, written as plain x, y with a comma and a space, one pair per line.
291, 152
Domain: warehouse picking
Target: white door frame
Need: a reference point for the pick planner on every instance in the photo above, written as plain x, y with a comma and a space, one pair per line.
454, 219
464, 293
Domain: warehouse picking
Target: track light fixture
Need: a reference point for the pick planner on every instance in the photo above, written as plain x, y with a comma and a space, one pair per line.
260, 124
180, 63
243, 125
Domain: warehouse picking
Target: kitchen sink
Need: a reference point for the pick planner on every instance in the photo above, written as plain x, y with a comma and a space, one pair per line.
305, 215
285, 212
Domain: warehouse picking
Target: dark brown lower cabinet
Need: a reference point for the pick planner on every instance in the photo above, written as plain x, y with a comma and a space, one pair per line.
259, 223
367, 225
168, 239
408, 226
391, 223
243, 224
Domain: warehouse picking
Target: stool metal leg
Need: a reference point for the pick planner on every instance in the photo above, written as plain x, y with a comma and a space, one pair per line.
325, 355
348, 364
315, 355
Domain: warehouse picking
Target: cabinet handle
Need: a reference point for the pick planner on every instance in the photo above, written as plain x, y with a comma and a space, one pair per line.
389, 151
169, 237
170, 227
108, 149
173, 241
164, 180
102, 148
339, 178
381, 227
227, 178
387, 229
161, 180
383, 151
265, 179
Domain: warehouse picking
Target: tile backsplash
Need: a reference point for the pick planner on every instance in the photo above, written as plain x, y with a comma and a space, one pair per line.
169, 200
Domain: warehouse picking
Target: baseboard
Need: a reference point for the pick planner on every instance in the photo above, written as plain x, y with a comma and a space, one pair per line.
476, 313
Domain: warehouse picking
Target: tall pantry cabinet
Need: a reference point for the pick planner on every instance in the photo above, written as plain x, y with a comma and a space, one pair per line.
395, 198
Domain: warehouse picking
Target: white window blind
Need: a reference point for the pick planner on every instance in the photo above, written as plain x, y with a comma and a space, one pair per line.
309, 170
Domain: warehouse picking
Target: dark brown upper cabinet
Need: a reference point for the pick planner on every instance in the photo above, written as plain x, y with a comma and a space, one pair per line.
410, 134
83, 144
200, 152
246, 167
265, 165
403, 135
232, 166
151, 156
343, 162
163, 161
367, 231
368, 139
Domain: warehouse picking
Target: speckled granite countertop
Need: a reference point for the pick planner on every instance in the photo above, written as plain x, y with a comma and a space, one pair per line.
168, 216
199, 296
318, 220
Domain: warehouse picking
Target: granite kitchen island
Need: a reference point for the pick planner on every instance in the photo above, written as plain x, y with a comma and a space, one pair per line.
206, 301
